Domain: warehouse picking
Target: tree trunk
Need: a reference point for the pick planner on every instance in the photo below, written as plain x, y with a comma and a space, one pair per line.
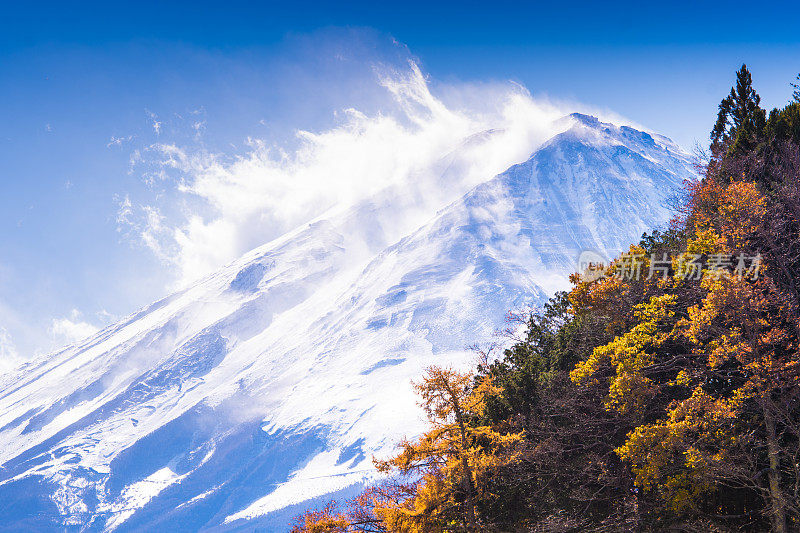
774, 476
469, 488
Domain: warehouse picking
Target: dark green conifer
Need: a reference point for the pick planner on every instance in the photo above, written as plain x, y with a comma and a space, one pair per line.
741, 120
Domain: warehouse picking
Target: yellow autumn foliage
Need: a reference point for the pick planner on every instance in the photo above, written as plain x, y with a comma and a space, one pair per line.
453, 457
629, 354
675, 456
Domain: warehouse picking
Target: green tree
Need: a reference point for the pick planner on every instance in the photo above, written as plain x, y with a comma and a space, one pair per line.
741, 120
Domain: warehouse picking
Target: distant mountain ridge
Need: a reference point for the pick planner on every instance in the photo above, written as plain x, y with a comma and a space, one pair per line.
271, 383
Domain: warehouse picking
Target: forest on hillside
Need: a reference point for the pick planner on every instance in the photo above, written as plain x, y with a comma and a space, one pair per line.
661, 393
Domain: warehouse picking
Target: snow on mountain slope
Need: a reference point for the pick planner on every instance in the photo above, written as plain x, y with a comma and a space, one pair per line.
270, 384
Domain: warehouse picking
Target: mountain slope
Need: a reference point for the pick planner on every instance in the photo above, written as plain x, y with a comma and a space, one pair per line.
275, 380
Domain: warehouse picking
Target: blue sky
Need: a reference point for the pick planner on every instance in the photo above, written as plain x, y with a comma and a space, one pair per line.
86, 90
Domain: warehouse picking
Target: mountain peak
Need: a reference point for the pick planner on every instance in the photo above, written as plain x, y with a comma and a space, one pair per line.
588, 120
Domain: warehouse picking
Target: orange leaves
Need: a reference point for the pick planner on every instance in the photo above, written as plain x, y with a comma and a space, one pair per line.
735, 211
443, 392
452, 459
704, 201
742, 320
326, 520
419, 513
741, 213
598, 298
448, 467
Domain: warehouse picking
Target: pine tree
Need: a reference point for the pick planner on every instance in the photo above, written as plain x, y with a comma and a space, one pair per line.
741, 120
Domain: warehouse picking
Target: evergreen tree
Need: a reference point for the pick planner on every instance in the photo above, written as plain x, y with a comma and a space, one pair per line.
741, 120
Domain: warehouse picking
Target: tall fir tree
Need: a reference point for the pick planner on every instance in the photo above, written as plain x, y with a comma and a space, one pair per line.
741, 120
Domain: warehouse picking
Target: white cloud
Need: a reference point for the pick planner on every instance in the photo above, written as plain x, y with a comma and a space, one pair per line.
68, 330
154, 121
221, 206
8, 351
118, 141
124, 211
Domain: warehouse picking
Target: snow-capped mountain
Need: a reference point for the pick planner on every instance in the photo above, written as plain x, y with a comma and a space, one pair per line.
269, 385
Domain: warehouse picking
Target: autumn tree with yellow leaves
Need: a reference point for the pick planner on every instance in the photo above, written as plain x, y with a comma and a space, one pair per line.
439, 478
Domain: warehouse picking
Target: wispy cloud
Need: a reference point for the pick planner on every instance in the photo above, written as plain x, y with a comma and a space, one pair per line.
124, 211
8, 351
119, 141
67, 330
229, 204
155, 122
